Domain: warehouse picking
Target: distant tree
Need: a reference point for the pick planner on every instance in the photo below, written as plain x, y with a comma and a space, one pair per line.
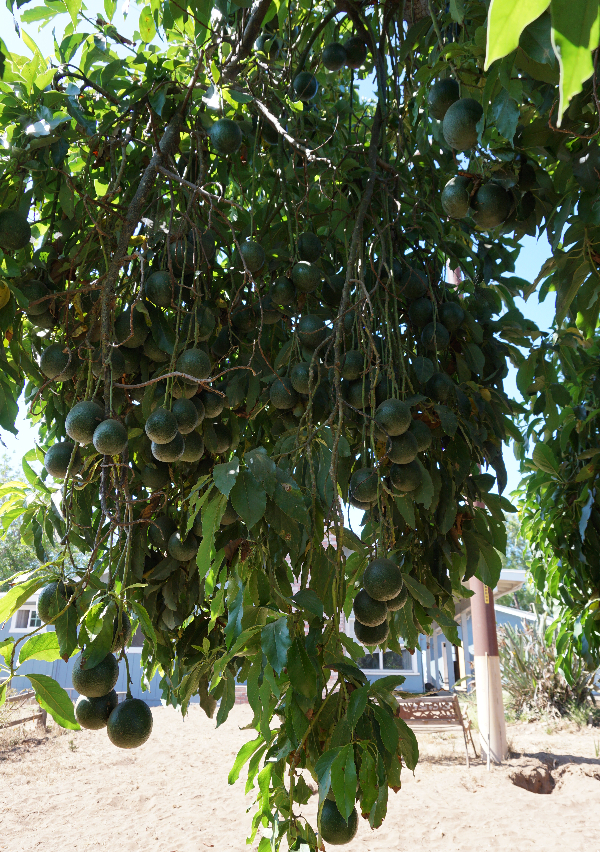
15, 555
518, 557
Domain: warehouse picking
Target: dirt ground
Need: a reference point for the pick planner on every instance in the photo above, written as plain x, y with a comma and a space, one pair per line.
75, 792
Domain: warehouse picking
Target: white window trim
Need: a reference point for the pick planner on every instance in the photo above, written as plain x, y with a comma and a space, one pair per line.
381, 671
29, 605
13, 626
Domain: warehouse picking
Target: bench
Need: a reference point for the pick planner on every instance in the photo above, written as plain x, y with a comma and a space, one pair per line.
435, 714
23, 697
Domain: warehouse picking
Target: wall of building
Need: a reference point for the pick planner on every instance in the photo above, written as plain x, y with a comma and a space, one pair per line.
426, 665
61, 671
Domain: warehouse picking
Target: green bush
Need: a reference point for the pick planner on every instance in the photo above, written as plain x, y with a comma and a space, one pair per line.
530, 678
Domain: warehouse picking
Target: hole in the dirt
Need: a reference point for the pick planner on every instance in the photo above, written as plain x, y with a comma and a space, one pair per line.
535, 779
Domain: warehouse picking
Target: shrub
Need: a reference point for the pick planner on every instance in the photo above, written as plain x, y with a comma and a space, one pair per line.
535, 687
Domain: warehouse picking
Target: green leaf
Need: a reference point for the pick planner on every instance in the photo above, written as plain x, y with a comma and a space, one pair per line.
424, 493
457, 10
6, 649
55, 700
367, 778
570, 279
323, 771
406, 508
301, 672
310, 601
418, 591
352, 541
41, 646
235, 607
157, 100
379, 809
409, 745
506, 21
406, 625
212, 512
248, 498
289, 498
146, 24
100, 646
343, 780
73, 8
275, 641
490, 563
33, 47
144, 619
423, 368
386, 684
526, 373
447, 623
575, 34
263, 469
13, 599
357, 705
448, 419
243, 756
227, 698
505, 112
66, 632
225, 475
387, 728
544, 458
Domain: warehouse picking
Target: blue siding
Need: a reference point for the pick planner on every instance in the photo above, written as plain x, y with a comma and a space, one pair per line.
61, 672
414, 681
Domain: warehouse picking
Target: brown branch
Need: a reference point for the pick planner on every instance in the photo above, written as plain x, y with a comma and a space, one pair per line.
178, 375
249, 37
352, 258
306, 152
81, 76
197, 189
167, 146
318, 30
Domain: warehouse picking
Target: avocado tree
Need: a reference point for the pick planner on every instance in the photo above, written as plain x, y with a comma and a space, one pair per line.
226, 301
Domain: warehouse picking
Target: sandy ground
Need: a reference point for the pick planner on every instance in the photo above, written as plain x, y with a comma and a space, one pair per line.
73, 791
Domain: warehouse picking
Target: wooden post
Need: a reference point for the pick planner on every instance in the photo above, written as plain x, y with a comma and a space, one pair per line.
445, 671
428, 641
43, 720
436, 660
490, 708
450, 676
466, 653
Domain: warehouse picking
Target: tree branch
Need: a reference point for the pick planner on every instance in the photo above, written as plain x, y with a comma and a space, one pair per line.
311, 41
249, 37
80, 76
306, 152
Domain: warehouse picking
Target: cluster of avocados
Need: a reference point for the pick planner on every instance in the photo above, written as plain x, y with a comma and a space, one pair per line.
232, 333
503, 199
383, 592
129, 723
217, 359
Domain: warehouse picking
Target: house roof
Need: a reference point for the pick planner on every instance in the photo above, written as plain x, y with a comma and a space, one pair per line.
510, 580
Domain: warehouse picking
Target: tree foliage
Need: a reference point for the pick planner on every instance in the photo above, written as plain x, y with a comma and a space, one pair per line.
216, 217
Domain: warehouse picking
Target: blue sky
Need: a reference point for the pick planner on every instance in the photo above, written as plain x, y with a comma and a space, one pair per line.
530, 261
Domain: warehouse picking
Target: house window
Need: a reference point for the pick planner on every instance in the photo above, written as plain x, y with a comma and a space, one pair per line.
27, 619
386, 661
392, 660
22, 622
371, 661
